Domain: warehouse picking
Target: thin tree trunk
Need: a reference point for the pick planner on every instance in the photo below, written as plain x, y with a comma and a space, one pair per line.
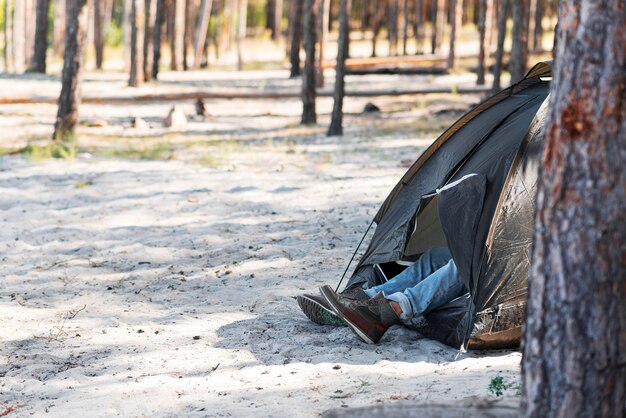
8, 37
58, 35
418, 26
136, 43
456, 18
336, 122
392, 27
433, 33
378, 22
308, 76
177, 21
538, 35
126, 27
440, 24
405, 25
38, 63
296, 38
188, 31
157, 37
19, 35
484, 27
497, 68
201, 31
324, 19
149, 19
574, 349
71, 78
241, 31
519, 34
98, 32
30, 28
277, 30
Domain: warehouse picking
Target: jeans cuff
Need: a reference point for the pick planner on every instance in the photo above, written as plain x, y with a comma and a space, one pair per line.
405, 305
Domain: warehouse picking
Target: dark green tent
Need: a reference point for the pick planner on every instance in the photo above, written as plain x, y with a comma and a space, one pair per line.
486, 220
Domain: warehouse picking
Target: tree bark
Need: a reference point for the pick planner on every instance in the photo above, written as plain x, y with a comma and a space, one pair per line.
405, 26
8, 37
376, 26
241, 31
188, 31
392, 27
38, 63
157, 37
574, 348
126, 27
201, 32
336, 122
519, 34
177, 21
456, 18
497, 68
58, 34
71, 78
296, 38
418, 26
98, 32
308, 76
538, 35
149, 19
30, 27
19, 36
484, 27
439, 24
277, 28
136, 43
324, 19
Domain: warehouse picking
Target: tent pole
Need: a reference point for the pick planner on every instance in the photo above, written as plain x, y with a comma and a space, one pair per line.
353, 255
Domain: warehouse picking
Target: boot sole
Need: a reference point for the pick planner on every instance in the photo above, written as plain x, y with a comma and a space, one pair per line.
318, 313
352, 325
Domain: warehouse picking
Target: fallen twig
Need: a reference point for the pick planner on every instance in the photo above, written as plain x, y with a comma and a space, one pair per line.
7, 409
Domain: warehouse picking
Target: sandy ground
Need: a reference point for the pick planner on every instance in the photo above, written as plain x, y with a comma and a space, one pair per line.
165, 287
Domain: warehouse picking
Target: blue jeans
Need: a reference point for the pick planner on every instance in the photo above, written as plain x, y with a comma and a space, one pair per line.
432, 281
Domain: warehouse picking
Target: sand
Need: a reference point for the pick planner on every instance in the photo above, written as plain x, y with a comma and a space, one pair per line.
167, 287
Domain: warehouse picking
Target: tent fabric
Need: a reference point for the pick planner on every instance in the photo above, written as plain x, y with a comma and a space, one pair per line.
485, 220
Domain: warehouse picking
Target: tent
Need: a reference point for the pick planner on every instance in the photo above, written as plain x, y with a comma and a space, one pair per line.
491, 156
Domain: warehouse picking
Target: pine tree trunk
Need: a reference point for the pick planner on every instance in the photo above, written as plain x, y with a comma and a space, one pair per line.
574, 348
30, 27
19, 35
308, 75
484, 27
538, 35
98, 32
519, 34
497, 68
188, 31
201, 32
136, 43
336, 122
296, 38
439, 24
149, 14
456, 18
8, 37
392, 27
418, 26
277, 29
241, 31
157, 36
38, 63
126, 27
177, 21
71, 78
324, 18
405, 26
58, 35
376, 26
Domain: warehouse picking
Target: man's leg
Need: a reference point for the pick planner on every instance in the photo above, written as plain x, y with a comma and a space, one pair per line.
434, 291
427, 264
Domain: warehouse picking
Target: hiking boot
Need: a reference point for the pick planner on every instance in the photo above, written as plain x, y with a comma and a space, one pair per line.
317, 309
369, 319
